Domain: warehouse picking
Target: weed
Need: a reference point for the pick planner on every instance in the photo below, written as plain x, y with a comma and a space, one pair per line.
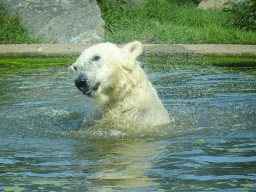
11, 29
165, 21
242, 15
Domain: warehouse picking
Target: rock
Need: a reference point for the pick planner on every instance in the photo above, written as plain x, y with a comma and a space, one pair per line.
149, 38
61, 21
128, 2
134, 2
215, 5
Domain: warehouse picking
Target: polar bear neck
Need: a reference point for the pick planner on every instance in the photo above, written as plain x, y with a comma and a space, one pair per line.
125, 98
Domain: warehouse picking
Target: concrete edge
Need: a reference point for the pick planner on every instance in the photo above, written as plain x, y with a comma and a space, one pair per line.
151, 50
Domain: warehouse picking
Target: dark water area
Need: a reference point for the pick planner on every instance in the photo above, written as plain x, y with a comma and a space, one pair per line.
211, 146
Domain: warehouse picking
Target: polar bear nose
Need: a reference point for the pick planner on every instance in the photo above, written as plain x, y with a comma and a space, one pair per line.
82, 85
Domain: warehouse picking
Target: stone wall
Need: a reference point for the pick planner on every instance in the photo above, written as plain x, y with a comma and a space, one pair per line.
61, 21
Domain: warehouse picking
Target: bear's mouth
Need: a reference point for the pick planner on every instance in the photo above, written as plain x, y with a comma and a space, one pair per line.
83, 86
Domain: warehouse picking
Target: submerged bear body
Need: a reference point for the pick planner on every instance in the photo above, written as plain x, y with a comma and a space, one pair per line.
115, 80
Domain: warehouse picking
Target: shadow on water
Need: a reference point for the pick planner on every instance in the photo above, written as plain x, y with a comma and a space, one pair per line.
46, 144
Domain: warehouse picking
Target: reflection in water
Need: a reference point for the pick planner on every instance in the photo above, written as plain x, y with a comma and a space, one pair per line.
122, 164
46, 144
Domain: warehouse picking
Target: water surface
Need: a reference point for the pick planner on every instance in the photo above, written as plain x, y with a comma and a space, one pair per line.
46, 146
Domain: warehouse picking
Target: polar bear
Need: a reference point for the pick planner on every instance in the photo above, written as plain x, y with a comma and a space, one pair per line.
115, 80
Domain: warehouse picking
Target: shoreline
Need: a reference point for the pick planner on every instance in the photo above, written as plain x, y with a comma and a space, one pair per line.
151, 50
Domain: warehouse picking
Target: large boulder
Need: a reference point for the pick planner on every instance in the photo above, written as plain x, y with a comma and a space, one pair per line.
215, 5
61, 21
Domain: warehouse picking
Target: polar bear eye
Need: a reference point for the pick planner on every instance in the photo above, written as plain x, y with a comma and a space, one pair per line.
75, 68
96, 58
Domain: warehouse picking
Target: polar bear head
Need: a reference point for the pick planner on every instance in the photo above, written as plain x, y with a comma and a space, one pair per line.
97, 70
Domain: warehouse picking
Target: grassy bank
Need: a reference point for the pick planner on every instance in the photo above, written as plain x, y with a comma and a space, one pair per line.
154, 21
165, 21
11, 29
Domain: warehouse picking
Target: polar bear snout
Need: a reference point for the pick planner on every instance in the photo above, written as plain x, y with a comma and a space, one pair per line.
82, 84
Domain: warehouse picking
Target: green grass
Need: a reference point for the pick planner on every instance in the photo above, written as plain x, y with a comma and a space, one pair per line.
154, 21
165, 21
11, 29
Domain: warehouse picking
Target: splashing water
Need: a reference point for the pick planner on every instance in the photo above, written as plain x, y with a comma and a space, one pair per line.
47, 142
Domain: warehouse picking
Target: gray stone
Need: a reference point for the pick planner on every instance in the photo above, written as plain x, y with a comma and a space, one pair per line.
216, 5
128, 2
134, 2
61, 21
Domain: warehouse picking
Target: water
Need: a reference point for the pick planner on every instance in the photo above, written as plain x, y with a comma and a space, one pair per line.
46, 146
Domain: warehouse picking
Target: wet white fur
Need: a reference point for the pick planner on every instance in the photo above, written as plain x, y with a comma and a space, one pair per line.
125, 93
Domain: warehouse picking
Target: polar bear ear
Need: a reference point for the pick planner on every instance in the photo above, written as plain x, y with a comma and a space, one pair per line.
130, 52
133, 49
